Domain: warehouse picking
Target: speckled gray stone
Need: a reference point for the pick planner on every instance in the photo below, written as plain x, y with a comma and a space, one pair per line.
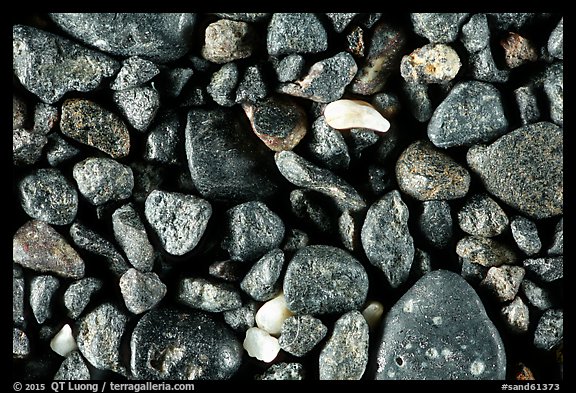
290, 68
222, 87
17, 295
27, 146
78, 295
556, 41
536, 295
299, 334
135, 72
42, 290
131, 235
550, 330
485, 251
20, 112
262, 282
435, 223
141, 291
527, 103
59, 150
438, 27
295, 33
20, 344
45, 117
252, 87
311, 208
138, 105
73, 368
327, 146
554, 89
516, 315
482, 216
503, 282
340, 19
348, 230
102, 180
283, 372
164, 140
525, 234
242, 318
208, 295
419, 100
557, 246
227, 40
546, 269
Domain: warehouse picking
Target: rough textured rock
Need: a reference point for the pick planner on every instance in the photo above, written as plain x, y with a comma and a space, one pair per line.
263, 280
438, 27
42, 290
503, 281
207, 295
300, 334
536, 295
295, 33
27, 146
17, 295
327, 146
525, 234
556, 41
135, 72
546, 269
45, 117
141, 291
283, 372
290, 68
435, 223
432, 63
252, 87
138, 105
223, 84
518, 50
102, 180
131, 235
557, 246
20, 344
485, 251
73, 368
78, 294
550, 330
226, 40
482, 216
19, 112
554, 89
527, 102
516, 316
242, 318
164, 139
59, 150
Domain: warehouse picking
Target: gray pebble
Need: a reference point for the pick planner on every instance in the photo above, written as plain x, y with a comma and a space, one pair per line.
131, 235
45, 117
20, 112
295, 33
536, 295
432, 63
102, 180
309, 207
290, 68
223, 84
242, 318
178, 219
49, 66
340, 19
299, 334
472, 272
229, 270
227, 40
262, 282
485, 251
245, 16
295, 239
516, 316
525, 234
419, 100
557, 246
27, 146
252, 230
147, 178
47, 195
426, 173
17, 295
252, 87
173, 81
438, 27
170, 345
435, 223
556, 41
386, 238
554, 89
42, 290
322, 280
524, 169
138, 105
482, 216
546, 269
38, 246
79, 294
135, 72
503, 282
164, 140
527, 103
206, 295
345, 355
59, 150
360, 139
482, 67
141, 291
388, 104
506, 21
550, 330
439, 330
283, 372
73, 368
160, 37
327, 146
20, 344
422, 263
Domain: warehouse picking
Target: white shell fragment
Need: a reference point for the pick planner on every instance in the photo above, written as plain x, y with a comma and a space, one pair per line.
272, 314
261, 345
345, 114
63, 342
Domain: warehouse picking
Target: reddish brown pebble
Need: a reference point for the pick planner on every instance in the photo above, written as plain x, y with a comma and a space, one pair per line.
524, 373
518, 50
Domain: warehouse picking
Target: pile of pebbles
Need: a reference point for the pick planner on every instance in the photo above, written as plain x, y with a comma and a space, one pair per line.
186, 206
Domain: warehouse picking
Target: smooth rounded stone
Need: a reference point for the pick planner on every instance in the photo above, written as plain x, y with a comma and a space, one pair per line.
550, 330
518, 50
42, 290
47, 195
283, 372
242, 318
141, 291
438, 27
160, 37
226, 161
432, 63
426, 173
516, 316
557, 246
59, 150
303, 173
211, 296
99, 337
229, 270
295, 239
345, 355
503, 282
101, 180
279, 122
90, 124
17, 295
245, 16
556, 41
73, 368
324, 280
327, 146
419, 100
325, 81
525, 234
222, 86
386, 238
355, 114
39, 247
485, 251
381, 180
79, 294
227, 40
252, 87
471, 271
536, 295
20, 111
164, 139
385, 49
261, 345
472, 112
482, 216
439, 330
290, 68
178, 219
295, 33
138, 105
546, 269
130, 233
172, 81
435, 223
524, 169
45, 117
20, 344
50, 66
272, 315
262, 282
340, 20
135, 72
300, 334
554, 89
168, 344
63, 342
527, 103
373, 313
27, 146
147, 178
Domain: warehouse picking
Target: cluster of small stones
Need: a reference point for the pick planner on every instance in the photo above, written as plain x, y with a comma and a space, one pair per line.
288, 196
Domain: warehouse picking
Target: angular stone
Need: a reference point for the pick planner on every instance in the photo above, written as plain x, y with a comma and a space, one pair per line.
432, 63
262, 282
290, 68
419, 100
516, 316
340, 19
135, 72
537, 296
485, 251
556, 41
261, 345
527, 103
42, 290
300, 334
518, 50
167, 344
356, 42
20, 111
141, 291
438, 27
223, 84
283, 372
226, 40
550, 330
78, 295
503, 281
386, 238
20, 344
131, 235
482, 216
178, 219
252, 87
546, 269
295, 33
323, 280
348, 229
45, 117
59, 150
557, 247
37, 246
242, 318
206, 295
138, 105
27, 146
101, 180
164, 140
73, 368
439, 330
525, 234
327, 146
524, 169
435, 223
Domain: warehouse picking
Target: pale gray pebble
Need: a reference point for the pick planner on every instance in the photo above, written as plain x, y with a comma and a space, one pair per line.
386, 238
550, 330
102, 180
73, 368
47, 195
438, 27
20, 344
45, 117
299, 334
262, 282
50, 66
138, 105
422, 263
245, 16
228, 40
135, 72
327, 146
340, 19
283, 372
147, 178
18, 291
557, 246
309, 207
556, 41
252, 87
164, 140
349, 230
435, 223
295, 33
27, 146
59, 150
513, 21
141, 291
242, 318
178, 219
223, 84
360, 139
472, 272
419, 100
482, 216
536, 295
345, 355
380, 179
173, 81
525, 234
42, 291
295, 239
79, 294
290, 68
554, 89
503, 282
251, 230
516, 315
485, 251
229, 270
527, 103
546, 269
19, 112
207, 295
131, 235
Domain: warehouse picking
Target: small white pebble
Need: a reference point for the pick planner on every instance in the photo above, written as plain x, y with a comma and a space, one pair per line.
372, 313
63, 342
345, 114
437, 320
477, 367
261, 345
272, 314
